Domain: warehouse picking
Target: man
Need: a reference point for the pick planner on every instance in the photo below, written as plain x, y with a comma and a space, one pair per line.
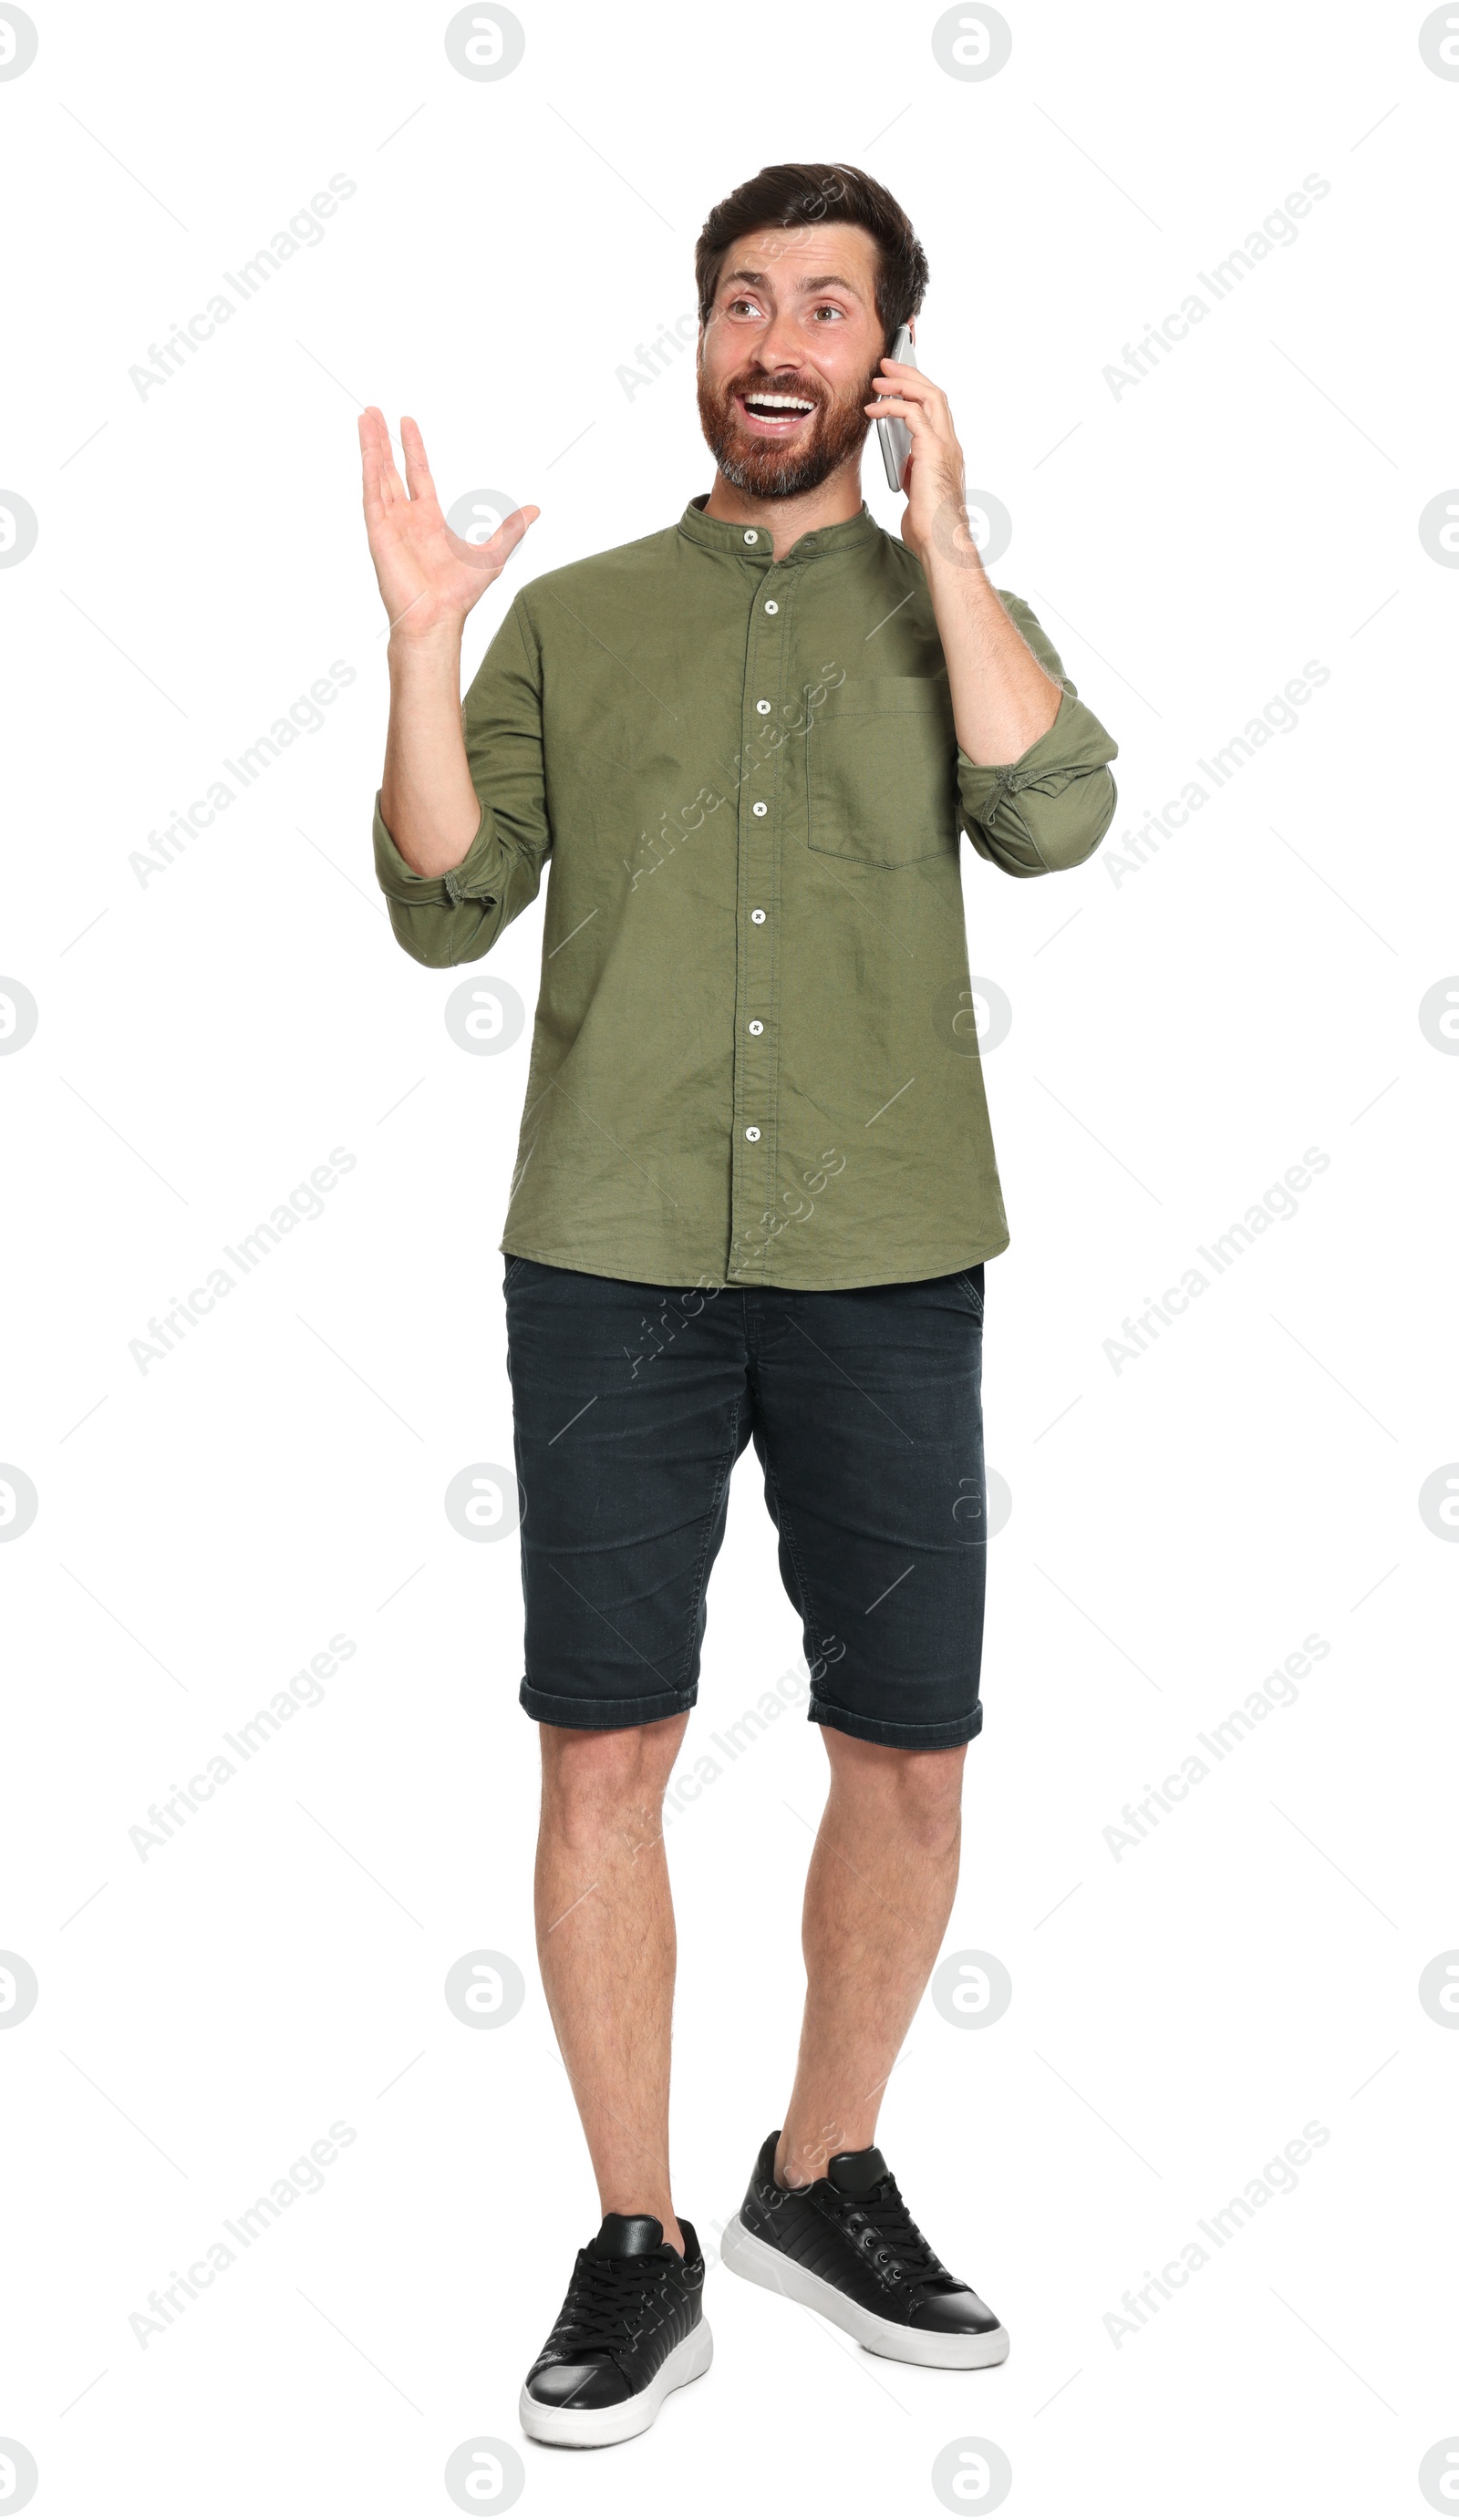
754, 1195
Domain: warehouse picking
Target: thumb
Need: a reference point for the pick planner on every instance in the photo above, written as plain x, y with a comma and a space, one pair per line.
510, 532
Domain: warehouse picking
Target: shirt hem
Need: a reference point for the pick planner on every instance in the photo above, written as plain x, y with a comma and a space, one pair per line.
938, 1266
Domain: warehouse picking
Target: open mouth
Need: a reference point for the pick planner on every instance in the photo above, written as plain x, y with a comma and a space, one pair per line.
775, 415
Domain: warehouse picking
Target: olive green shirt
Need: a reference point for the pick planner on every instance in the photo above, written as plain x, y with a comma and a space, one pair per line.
754, 1059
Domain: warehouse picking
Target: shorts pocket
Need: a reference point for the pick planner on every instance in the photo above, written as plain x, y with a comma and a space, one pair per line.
880, 771
971, 1282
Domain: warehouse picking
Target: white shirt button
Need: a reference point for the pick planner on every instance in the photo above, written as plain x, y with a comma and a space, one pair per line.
757, 1025
751, 1135
750, 535
759, 809
763, 707
758, 918
772, 607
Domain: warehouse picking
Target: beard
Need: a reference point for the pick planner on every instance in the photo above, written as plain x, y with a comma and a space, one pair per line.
765, 469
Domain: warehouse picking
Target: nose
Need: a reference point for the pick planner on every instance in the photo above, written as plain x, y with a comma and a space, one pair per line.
779, 345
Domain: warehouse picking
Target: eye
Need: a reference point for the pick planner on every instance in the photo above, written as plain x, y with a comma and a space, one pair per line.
838, 311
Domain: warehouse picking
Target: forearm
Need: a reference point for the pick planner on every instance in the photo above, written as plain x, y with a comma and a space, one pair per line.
1002, 698
427, 800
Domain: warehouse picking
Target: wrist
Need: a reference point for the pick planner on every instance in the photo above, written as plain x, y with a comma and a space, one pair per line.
950, 552
426, 647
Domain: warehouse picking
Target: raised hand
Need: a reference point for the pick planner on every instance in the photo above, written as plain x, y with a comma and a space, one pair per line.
932, 484
428, 578
1003, 698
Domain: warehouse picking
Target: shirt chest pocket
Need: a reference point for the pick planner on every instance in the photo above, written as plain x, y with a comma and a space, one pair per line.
881, 772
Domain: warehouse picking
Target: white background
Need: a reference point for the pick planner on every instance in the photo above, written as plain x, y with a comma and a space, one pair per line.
1179, 1038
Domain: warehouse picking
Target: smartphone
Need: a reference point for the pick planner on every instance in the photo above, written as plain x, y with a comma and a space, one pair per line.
894, 434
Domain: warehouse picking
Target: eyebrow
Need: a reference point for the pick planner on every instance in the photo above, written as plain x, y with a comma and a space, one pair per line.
824, 279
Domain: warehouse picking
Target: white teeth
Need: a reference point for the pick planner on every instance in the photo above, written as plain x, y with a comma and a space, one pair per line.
780, 402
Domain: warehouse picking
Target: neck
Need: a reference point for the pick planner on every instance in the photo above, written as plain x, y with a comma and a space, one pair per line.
831, 503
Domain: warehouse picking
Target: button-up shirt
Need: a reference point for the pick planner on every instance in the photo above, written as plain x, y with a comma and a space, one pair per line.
754, 1059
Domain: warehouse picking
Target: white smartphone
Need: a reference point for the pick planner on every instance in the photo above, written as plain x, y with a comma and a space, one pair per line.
894, 434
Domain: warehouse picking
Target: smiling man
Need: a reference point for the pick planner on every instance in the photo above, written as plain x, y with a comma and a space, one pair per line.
753, 1199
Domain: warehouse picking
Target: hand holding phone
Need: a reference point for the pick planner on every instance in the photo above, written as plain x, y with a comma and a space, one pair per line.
894, 434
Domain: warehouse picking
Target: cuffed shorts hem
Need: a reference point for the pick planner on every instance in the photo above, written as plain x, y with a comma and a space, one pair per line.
604, 1714
948, 1736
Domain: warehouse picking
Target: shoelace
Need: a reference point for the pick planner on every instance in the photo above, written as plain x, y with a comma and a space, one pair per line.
900, 2250
606, 2300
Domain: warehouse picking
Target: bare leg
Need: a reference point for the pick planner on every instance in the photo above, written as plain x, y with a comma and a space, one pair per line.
607, 1949
877, 1897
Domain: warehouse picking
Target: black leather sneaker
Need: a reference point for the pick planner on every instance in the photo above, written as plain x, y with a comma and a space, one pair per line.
630, 2330
847, 2247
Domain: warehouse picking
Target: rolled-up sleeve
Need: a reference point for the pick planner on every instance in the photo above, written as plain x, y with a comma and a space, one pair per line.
1051, 808
457, 917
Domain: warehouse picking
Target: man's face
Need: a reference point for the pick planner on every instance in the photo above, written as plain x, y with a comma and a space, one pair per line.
794, 319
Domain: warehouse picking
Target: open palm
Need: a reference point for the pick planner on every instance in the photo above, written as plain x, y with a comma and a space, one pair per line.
427, 575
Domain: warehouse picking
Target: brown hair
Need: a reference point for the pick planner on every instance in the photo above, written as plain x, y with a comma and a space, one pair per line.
801, 196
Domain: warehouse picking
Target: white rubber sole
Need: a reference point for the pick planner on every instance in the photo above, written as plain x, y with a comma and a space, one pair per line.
759, 2264
595, 2427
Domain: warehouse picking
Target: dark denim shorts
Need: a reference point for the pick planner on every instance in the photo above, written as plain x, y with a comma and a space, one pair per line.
632, 1404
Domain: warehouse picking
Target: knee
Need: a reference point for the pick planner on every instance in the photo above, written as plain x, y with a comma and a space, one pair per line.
598, 1783
917, 1793
931, 1790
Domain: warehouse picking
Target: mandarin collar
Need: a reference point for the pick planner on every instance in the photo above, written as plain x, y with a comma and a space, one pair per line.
752, 543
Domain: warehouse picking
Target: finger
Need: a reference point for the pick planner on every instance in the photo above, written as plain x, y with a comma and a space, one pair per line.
417, 470
392, 488
936, 401
903, 407
373, 437
931, 419
913, 383
915, 388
